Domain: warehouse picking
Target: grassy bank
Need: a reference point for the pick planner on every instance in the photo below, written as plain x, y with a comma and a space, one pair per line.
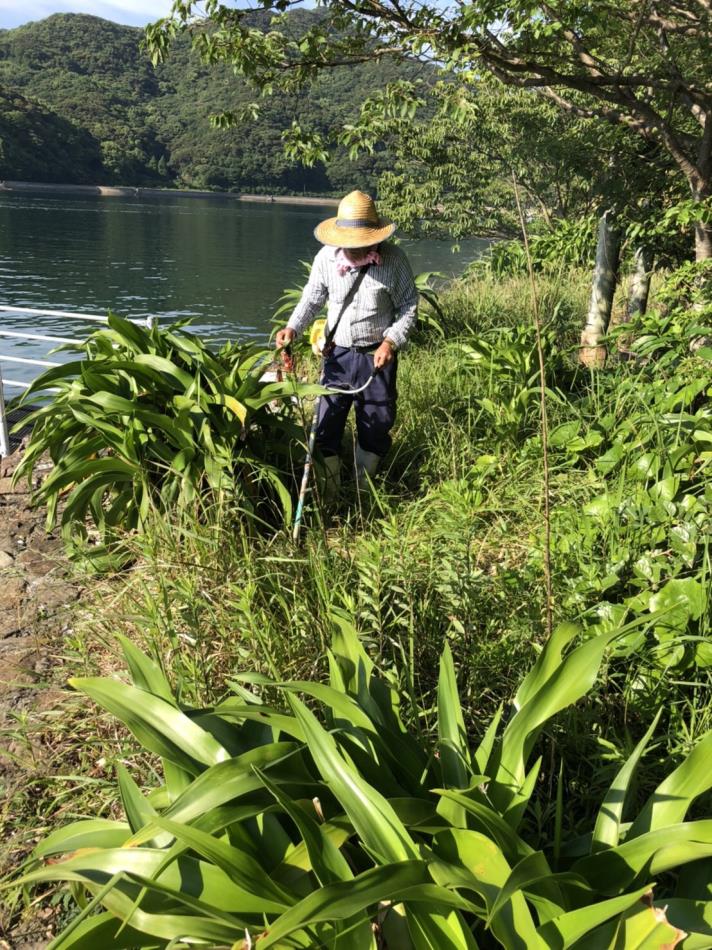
451, 552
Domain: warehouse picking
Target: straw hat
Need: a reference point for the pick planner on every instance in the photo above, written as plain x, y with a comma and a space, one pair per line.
357, 224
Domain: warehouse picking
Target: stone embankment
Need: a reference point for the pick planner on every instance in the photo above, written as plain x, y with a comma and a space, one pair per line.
33, 572
36, 589
125, 191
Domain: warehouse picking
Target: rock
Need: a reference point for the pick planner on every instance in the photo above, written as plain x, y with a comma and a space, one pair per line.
10, 463
9, 624
7, 488
35, 563
49, 594
11, 591
6, 560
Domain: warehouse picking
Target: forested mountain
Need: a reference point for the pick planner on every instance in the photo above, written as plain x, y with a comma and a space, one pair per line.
81, 103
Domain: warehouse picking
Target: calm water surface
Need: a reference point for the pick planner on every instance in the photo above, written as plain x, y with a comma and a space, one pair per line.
223, 264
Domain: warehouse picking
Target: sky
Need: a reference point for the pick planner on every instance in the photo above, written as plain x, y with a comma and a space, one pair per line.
133, 12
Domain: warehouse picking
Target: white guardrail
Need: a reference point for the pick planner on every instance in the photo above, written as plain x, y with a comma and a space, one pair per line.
30, 312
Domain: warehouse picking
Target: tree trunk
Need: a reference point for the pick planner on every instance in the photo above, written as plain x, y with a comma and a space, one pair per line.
701, 185
640, 281
593, 353
703, 242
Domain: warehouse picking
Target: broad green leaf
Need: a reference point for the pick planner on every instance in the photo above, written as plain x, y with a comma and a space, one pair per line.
50, 378
485, 865
565, 930
671, 799
353, 661
329, 866
101, 930
454, 754
694, 917
531, 869
488, 822
569, 681
394, 882
88, 833
230, 780
374, 819
446, 931
614, 869
234, 405
179, 378
548, 661
209, 883
326, 860
608, 823
483, 753
158, 725
145, 673
680, 600
641, 927
239, 866
276, 720
137, 808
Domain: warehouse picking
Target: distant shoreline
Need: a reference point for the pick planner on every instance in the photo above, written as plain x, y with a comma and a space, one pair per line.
125, 191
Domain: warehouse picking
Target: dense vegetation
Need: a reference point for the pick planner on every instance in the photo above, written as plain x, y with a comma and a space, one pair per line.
503, 651
452, 553
82, 104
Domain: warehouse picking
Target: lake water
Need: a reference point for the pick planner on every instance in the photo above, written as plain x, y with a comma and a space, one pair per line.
222, 263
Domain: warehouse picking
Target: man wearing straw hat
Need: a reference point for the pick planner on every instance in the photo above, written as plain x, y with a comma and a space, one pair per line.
369, 327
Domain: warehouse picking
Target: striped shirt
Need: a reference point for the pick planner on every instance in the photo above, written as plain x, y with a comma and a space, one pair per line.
385, 305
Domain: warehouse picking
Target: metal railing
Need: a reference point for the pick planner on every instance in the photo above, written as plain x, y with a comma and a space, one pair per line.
44, 363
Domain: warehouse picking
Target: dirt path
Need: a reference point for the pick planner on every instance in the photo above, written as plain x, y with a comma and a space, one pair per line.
36, 589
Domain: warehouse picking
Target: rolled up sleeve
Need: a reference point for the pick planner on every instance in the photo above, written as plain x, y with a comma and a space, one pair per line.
405, 303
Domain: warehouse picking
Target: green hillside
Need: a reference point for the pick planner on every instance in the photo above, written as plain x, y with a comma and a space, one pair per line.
81, 103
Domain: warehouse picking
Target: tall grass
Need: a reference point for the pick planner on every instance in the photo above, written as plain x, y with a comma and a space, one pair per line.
451, 552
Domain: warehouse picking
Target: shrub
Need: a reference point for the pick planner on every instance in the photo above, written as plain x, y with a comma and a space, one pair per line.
276, 829
154, 418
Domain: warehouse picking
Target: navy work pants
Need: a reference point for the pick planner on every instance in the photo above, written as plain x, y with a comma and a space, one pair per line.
375, 407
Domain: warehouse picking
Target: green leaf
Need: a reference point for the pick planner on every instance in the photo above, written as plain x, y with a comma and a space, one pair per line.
394, 882
549, 660
326, 860
489, 823
679, 601
607, 830
446, 931
488, 871
567, 683
614, 869
671, 799
88, 833
228, 781
375, 821
694, 917
483, 753
158, 725
101, 930
239, 866
454, 753
563, 931
328, 864
209, 884
531, 869
138, 810
644, 927
144, 672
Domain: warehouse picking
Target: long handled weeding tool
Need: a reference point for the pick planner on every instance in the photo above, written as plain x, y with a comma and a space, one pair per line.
311, 441
310, 449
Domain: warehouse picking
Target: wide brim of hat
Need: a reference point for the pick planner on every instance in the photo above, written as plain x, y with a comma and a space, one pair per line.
329, 232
